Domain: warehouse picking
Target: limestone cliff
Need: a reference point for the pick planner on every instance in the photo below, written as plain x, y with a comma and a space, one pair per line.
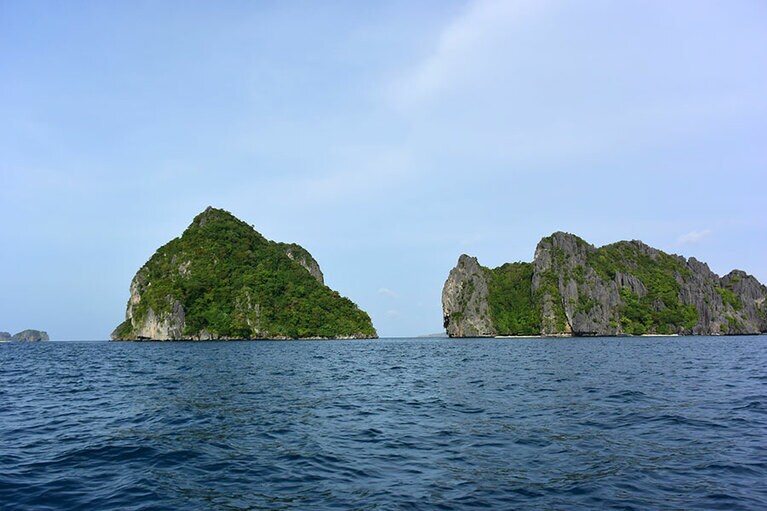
464, 301
302, 256
626, 288
223, 280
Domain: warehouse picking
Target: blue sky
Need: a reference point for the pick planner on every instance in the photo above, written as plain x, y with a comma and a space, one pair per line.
385, 137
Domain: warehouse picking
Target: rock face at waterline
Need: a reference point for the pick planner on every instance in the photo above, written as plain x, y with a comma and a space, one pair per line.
25, 335
223, 280
574, 288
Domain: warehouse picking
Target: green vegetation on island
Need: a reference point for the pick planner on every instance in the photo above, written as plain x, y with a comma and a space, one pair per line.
659, 310
513, 309
223, 280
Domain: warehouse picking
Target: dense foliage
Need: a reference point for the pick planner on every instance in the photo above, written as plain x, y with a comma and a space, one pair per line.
659, 310
730, 298
234, 283
512, 308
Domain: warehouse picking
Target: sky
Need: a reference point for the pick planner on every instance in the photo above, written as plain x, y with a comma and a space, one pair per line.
386, 137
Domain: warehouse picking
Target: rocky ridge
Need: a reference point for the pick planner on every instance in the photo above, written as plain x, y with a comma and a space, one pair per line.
626, 288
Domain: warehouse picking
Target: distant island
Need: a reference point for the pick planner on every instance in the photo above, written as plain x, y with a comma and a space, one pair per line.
574, 288
223, 280
25, 335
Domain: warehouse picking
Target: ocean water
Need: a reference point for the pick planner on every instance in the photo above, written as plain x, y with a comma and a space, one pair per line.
598, 423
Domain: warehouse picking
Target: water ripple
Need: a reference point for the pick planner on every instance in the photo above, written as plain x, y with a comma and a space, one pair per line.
390, 424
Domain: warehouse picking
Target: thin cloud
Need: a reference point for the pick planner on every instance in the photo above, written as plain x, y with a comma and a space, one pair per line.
459, 49
693, 237
388, 292
537, 86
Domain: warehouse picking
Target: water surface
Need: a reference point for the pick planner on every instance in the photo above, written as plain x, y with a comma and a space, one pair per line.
623, 423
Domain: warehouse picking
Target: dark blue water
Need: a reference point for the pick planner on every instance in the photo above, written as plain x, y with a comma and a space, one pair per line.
641, 423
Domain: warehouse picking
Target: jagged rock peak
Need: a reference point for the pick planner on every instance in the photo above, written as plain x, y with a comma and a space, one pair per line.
464, 300
209, 213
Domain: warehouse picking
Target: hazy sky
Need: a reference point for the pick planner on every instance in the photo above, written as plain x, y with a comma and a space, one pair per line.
385, 137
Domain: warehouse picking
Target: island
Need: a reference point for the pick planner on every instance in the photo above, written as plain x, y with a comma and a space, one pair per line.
575, 289
25, 335
223, 280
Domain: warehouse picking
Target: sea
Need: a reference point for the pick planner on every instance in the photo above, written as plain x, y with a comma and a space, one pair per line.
546, 424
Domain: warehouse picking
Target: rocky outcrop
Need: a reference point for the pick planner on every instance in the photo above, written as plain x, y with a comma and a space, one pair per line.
164, 324
223, 280
25, 335
464, 301
302, 256
557, 257
620, 289
750, 303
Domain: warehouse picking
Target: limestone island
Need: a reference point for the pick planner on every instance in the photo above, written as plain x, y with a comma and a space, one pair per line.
25, 335
223, 280
574, 288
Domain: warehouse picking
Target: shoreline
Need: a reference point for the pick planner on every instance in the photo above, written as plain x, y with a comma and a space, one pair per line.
563, 336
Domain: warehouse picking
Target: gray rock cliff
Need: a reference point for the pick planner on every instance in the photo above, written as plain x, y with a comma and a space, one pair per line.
620, 289
465, 307
561, 259
164, 325
302, 256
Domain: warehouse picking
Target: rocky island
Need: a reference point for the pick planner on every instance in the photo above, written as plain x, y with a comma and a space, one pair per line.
223, 280
25, 335
626, 288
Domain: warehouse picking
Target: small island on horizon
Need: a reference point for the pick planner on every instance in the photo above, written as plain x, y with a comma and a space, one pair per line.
575, 289
28, 335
